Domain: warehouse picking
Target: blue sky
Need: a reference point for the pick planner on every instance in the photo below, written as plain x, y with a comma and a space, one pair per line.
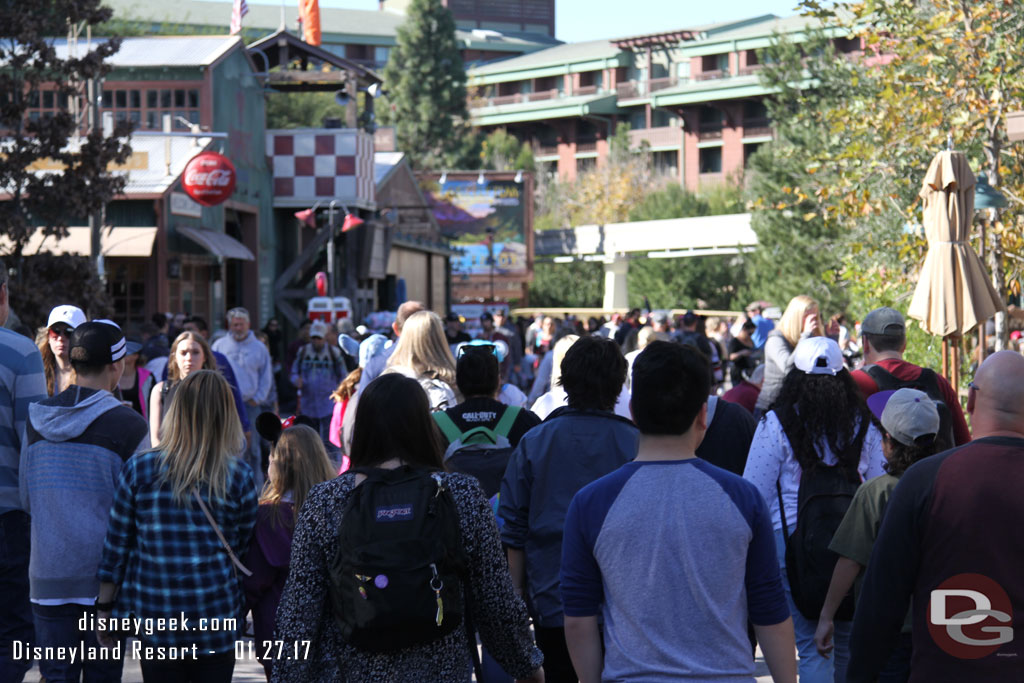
577, 20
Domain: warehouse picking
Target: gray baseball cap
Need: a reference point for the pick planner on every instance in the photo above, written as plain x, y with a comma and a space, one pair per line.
884, 321
906, 414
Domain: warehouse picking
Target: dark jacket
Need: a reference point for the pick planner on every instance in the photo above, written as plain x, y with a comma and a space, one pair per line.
554, 460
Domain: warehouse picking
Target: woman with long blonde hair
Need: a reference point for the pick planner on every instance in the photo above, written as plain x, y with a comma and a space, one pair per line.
181, 516
298, 462
423, 354
189, 352
800, 321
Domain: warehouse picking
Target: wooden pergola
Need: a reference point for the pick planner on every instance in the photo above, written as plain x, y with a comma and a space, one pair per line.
289, 64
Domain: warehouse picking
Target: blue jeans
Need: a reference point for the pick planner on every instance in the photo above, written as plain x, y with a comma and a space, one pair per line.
813, 667
15, 609
57, 626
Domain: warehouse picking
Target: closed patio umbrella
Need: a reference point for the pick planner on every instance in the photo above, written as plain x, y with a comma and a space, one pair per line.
954, 293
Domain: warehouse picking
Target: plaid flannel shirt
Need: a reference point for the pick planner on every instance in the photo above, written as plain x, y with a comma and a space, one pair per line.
168, 560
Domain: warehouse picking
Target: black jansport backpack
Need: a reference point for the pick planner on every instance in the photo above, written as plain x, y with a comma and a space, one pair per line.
928, 382
824, 497
396, 579
480, 452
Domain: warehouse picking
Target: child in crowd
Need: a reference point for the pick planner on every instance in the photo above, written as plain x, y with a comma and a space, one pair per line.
298, 461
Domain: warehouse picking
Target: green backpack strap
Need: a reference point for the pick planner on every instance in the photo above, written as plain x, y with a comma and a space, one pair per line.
508, 418
447, 426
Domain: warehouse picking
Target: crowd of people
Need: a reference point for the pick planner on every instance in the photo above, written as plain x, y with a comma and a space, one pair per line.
640, 498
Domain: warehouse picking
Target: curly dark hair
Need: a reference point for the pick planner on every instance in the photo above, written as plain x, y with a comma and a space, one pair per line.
902, 456
816, 409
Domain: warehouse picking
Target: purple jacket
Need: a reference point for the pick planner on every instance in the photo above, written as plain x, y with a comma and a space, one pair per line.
268, 559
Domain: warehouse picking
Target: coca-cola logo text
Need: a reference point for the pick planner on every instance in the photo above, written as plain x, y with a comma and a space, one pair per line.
209, 178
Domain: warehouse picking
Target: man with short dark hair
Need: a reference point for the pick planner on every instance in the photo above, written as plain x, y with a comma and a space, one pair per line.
22, 382
76, 443
478, 377
884, 339
572, 447
698, 535
689, 334
949, 548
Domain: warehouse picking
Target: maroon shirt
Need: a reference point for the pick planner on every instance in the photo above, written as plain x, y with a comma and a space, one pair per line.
908, 372
955, 513
745, 394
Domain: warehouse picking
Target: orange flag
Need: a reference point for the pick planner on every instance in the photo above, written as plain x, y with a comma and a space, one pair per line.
309, 14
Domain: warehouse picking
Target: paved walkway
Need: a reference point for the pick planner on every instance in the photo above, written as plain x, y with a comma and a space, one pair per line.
250, 671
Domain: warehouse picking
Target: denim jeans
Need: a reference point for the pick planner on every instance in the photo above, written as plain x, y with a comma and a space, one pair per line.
215, 668
15, 609
57, 626
813, 667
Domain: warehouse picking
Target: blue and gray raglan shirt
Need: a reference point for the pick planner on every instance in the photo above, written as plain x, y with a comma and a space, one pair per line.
675, 556
22, 383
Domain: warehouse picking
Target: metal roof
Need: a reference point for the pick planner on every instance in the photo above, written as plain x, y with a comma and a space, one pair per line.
384, 164
160, 50
382, 25
567, 53
150, 174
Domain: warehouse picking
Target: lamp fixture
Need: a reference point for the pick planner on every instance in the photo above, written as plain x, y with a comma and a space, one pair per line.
480, 179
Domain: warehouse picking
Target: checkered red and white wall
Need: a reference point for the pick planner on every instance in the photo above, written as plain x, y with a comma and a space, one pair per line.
322, 164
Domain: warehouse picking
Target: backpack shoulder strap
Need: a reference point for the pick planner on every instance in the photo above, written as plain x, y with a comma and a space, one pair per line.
508, 418
447, 426
880, 375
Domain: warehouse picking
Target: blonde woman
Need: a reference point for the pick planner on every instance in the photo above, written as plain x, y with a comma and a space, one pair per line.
298, 462
163, 558
423, 354
189, 353
800, 321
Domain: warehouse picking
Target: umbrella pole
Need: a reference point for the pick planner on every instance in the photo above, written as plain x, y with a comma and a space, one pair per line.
945, 357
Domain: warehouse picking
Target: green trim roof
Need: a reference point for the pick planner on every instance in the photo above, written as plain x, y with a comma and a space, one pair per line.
364, 27
559, 55
557, 108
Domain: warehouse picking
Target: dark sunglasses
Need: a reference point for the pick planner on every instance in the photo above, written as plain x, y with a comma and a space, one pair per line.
56, 332
478, 348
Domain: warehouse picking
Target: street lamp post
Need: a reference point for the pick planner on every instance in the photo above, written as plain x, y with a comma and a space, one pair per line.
490, 257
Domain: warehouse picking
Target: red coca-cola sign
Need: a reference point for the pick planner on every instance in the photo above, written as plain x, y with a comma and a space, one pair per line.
209, 178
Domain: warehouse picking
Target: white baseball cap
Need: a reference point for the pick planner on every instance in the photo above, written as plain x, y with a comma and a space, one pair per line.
318, 329
818, 356
73, 316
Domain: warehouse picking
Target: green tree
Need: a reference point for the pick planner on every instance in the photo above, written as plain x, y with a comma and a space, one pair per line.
948, 67
426, 84
53, 171
501, 151
574, 285
800, 248
301, 109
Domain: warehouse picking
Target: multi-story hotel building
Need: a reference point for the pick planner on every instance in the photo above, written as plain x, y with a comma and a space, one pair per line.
692, 96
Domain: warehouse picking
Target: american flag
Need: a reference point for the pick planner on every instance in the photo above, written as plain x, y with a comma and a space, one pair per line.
238, 10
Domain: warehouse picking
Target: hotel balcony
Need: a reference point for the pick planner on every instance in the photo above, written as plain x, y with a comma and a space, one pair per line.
667, 137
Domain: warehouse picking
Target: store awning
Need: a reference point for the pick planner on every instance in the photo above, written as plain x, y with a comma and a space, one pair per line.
114, 242
217, 243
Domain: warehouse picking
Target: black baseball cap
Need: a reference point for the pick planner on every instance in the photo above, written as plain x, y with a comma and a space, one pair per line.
97, 343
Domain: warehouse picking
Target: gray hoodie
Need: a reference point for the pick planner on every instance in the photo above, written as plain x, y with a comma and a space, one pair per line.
75, 444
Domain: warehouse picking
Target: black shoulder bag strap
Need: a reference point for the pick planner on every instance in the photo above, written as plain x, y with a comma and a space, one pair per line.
471, 631
782, 512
